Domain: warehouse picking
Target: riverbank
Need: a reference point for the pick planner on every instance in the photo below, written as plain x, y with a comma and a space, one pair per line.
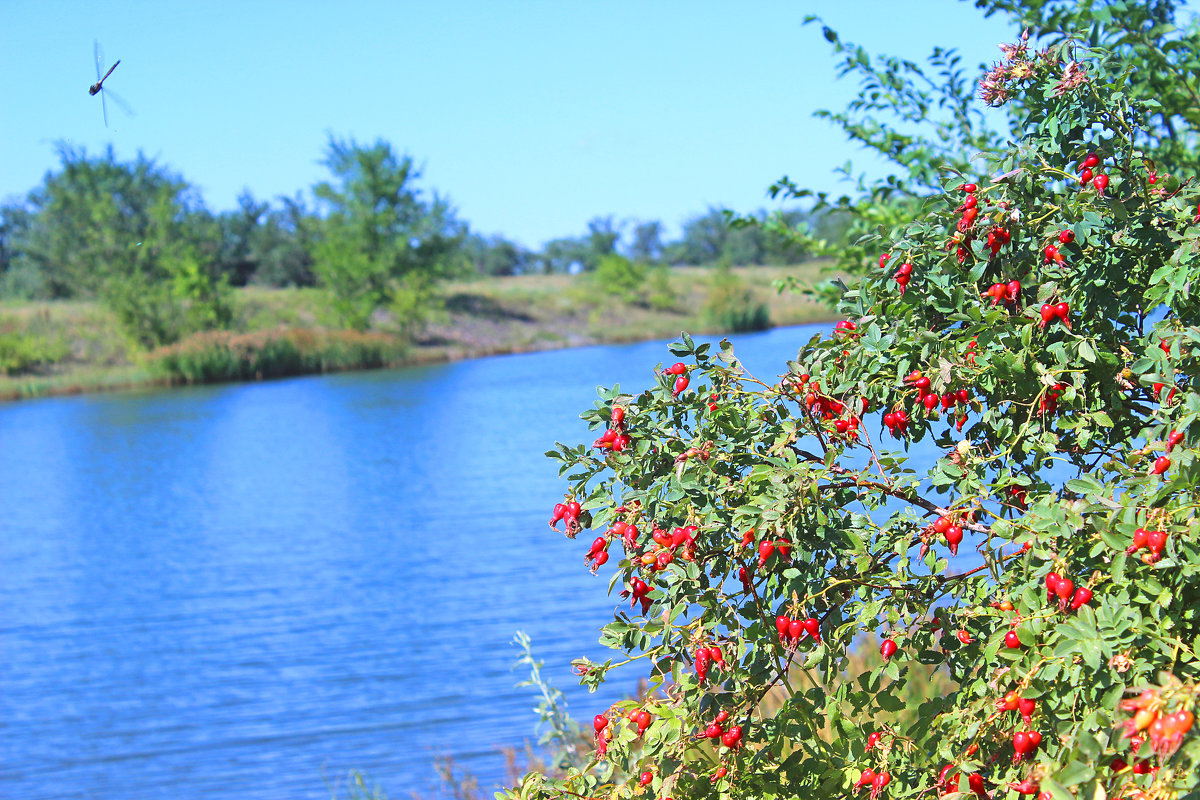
84, 350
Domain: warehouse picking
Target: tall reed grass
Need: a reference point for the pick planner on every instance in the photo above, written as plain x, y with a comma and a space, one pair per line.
217, 356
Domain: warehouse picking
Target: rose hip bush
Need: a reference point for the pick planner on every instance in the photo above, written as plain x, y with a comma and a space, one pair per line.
1034, 332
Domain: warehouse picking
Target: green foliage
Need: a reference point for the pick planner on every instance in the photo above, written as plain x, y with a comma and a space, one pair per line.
123, 232
1162, 57
282, 246
380, 243
925, 682
731, 306
1039, 337
219, 356
496, 255
23, 351
602, 238
659, 294
258, 244
145, 310
647, 243
581, 254
926, 121
617, 277
710, 239
619, 280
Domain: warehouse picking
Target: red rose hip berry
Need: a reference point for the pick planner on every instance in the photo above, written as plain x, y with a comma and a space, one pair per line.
887, 649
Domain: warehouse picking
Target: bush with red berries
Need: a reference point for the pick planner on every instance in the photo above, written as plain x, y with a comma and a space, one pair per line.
1039, 344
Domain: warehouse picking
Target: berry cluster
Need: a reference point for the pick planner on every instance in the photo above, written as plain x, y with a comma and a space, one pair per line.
791, 631
846, 328
945, 526
767, 549
997, 237
877, 781
931, 400
1098, 180
1154, 541
1024, 743
615, 438
668, 544
896, 422
679, 369
569, 513
1024, 706
1150, 718
1049, 402
706, 655
731, 737
640, 718
1059, 311
1008, 293
1064, 589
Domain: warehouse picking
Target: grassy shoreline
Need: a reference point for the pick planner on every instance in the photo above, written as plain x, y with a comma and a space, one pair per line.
478, 318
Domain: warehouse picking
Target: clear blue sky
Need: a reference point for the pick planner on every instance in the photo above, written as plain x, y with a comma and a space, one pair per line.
533, 117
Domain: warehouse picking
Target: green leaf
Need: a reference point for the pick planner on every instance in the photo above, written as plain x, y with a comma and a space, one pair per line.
1074, 773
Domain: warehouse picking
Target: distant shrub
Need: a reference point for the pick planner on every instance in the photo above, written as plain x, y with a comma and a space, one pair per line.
22, 281
154, 311
216, 356
619, 278
147, 312
731, 306
659, 294
21, 351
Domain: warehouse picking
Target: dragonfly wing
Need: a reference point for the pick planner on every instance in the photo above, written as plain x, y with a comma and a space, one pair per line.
99, 59
120, 101
104, 106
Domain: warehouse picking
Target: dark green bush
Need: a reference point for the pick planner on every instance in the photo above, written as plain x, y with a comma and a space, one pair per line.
731, 306
216, 356
22, 351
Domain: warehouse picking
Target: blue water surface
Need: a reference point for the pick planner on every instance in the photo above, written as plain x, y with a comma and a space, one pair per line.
245, 591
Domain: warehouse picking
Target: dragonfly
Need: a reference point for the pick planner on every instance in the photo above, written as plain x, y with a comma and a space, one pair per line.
98, 88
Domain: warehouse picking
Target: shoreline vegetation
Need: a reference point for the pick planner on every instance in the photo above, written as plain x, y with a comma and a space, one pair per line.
60, 348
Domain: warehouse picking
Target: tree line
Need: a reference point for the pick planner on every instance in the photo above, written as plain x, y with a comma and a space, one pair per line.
138, 237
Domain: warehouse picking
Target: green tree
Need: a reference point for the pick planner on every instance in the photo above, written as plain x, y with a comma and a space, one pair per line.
646, 244
19, 278
721, 237
602, 239
381, 243
1148, 37
566, 255
235, 235
264, 245
283, 245
703, 240
131, 234
583, 253
496, 255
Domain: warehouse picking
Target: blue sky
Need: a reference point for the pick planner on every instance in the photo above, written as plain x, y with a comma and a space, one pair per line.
532, 117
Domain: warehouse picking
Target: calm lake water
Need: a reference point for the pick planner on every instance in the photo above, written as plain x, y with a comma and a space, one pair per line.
246, 591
